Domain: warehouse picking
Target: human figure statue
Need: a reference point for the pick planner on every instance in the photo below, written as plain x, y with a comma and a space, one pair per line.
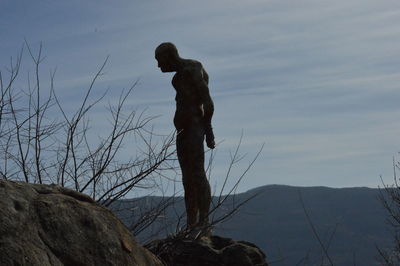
192, 120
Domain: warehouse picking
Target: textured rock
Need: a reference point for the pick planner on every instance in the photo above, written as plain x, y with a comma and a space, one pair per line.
207, 251
49, 225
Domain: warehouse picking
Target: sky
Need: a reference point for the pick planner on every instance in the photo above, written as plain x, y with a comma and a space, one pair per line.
315, 81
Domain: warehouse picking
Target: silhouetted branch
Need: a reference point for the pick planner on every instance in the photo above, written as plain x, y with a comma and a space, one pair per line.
314, 230
41, 143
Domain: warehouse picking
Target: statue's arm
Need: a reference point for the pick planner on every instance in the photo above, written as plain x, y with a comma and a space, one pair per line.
201, 80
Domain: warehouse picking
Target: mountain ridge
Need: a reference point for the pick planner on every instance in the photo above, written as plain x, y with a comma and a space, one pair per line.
351, 220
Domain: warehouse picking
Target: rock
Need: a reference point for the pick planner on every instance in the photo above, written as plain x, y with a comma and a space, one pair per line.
49, 225
207, 251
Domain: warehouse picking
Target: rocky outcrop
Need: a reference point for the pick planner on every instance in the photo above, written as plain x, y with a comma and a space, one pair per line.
49, 225
207, 251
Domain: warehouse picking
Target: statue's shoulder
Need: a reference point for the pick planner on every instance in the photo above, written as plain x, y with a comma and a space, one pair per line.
192, 67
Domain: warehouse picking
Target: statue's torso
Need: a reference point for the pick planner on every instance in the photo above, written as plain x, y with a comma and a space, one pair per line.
188, 103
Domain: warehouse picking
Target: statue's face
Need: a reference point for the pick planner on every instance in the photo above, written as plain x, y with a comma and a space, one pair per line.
165, 63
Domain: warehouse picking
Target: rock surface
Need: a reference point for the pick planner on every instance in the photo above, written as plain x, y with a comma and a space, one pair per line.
49, 225
207, 251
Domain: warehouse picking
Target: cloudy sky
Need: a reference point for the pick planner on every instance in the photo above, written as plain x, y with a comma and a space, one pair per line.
316, 81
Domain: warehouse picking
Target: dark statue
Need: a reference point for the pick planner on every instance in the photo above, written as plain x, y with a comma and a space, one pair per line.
194, 111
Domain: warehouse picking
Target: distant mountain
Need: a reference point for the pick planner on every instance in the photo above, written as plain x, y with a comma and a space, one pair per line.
351, 222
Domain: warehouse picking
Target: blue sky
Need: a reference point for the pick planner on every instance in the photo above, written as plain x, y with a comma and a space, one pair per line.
316, 81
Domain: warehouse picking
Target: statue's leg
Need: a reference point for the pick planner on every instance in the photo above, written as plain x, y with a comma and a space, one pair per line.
184, 152
203, 195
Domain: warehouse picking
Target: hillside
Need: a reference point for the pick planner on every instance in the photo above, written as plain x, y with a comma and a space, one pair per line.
277, 223
352, 218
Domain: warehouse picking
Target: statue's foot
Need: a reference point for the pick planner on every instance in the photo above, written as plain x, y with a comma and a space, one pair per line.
199, 231
206, 230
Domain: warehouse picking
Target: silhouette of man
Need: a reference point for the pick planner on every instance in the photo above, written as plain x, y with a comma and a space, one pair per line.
192, 120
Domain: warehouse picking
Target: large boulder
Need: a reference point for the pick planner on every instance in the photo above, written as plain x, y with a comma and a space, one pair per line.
50, 225
207, 251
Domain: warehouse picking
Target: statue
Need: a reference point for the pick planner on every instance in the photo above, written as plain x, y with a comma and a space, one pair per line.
192, 120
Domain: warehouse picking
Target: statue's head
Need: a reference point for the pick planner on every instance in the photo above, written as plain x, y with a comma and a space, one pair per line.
167, 57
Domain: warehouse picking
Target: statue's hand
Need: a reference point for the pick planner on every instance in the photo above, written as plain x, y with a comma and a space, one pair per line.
210, 137
210, 143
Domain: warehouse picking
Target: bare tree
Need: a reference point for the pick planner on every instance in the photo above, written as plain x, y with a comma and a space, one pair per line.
41, 142
390, 199
170, 215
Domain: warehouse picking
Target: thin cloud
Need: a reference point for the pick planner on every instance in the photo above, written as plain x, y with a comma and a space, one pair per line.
317, 81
